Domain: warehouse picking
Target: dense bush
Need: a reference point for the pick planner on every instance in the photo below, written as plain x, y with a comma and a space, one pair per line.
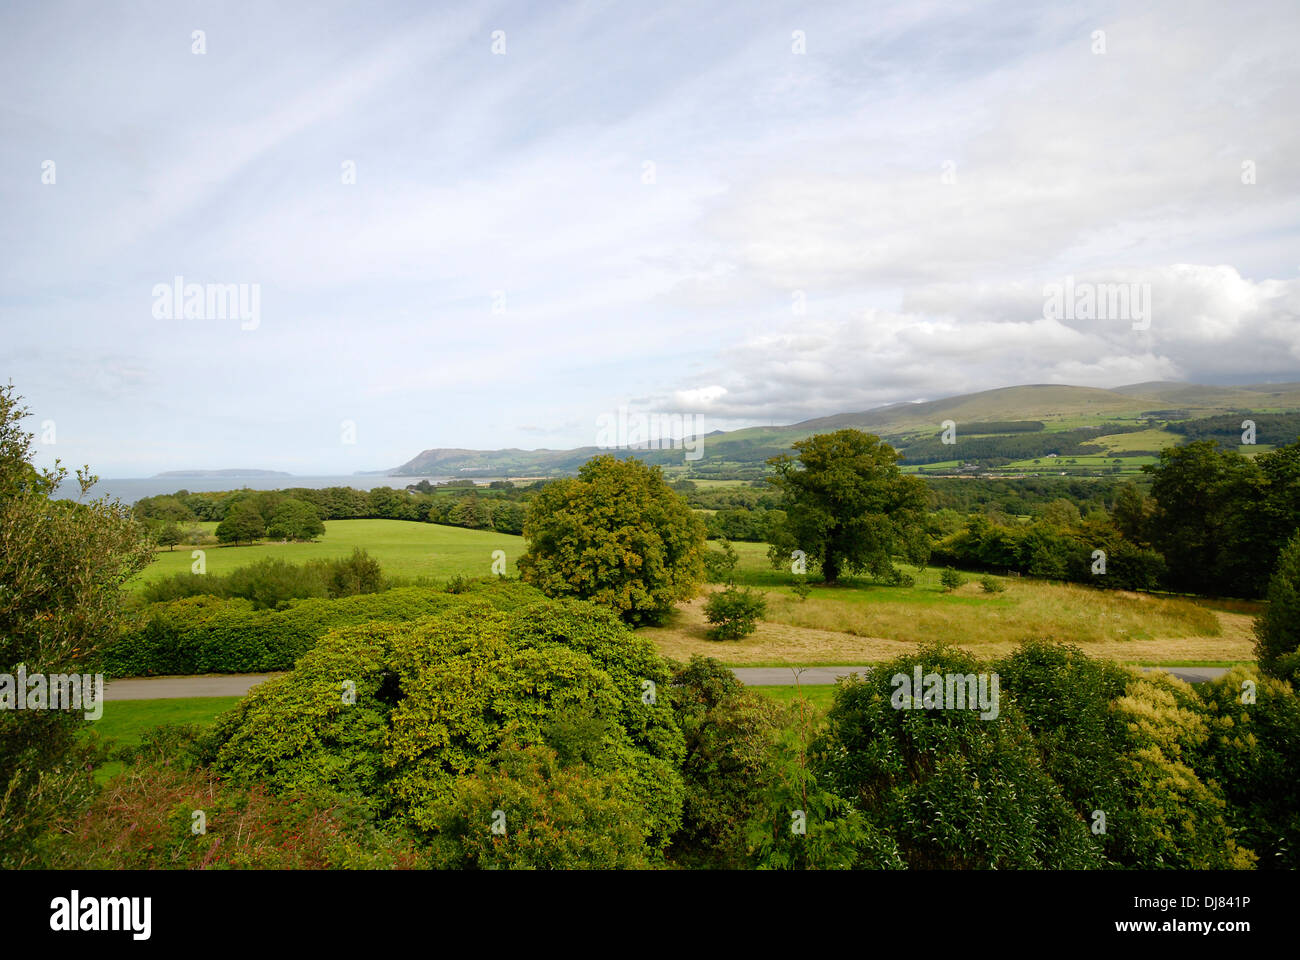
206, 634
1124, 742
271, 582
547, 816
734, 612
142, 820
952, 789
435, 701
1044, 549
728, 733
1253, 752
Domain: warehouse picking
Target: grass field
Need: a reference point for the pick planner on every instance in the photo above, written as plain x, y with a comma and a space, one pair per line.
125, 721
404, 548
861, 622
819, 695
857, 622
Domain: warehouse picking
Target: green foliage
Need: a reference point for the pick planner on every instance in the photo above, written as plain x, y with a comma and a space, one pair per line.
243, 524
1125, 743
295, 520
991, 584
168, 535
1221, 519
953, 790
734, 612
436, 699
272, 583
801, 823
206, 634
720, 565
1253, 752
549, 816
951, 579
847, 506
1277, 629
802, 589
62, 564
617, 535
728, 735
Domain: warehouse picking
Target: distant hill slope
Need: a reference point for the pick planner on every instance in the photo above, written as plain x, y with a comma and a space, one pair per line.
1061, 408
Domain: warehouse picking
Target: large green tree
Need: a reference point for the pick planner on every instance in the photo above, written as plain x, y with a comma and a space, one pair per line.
616, 534
847, 506
243, 523
295, 520
62, 566
1207, 520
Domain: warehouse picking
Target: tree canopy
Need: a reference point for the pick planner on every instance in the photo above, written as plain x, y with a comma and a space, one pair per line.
616, 534
847, 506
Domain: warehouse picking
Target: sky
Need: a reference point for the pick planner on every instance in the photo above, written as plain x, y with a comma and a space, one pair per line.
489, 225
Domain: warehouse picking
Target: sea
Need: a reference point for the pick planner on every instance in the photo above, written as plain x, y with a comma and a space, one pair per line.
131, 489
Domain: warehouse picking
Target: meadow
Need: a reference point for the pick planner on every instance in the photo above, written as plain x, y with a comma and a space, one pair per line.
862, 622
852, 623
404, 548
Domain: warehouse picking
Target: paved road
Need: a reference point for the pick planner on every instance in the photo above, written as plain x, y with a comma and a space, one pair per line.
238, 684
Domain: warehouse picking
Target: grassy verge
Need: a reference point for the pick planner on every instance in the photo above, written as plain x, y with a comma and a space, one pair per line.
125, 721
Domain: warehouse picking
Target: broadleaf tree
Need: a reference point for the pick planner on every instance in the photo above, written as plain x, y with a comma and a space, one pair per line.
848, 507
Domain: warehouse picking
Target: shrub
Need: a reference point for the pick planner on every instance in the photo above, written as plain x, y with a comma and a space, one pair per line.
207, 634
1124, 742
991, 584
435, 699
548, 817
1253, 752
142, 820
951, 579
728, 734
734, 612
801, 589
952, 789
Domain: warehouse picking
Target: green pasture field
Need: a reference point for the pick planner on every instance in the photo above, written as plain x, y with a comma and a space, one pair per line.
404, 548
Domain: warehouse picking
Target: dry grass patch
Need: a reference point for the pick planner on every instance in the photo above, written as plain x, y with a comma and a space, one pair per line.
850, 626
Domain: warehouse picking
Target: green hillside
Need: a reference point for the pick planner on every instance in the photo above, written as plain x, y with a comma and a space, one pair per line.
1007, 430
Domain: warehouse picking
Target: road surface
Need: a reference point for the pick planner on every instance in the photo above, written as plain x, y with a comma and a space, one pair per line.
238, 684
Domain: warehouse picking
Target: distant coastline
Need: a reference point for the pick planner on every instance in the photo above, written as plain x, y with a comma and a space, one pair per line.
201, 474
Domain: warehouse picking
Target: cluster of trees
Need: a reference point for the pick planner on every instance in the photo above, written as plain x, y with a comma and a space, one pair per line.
461, 503
1056, 549
1219, 518
999, 450
1024, 497
1272, 428
551, 737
